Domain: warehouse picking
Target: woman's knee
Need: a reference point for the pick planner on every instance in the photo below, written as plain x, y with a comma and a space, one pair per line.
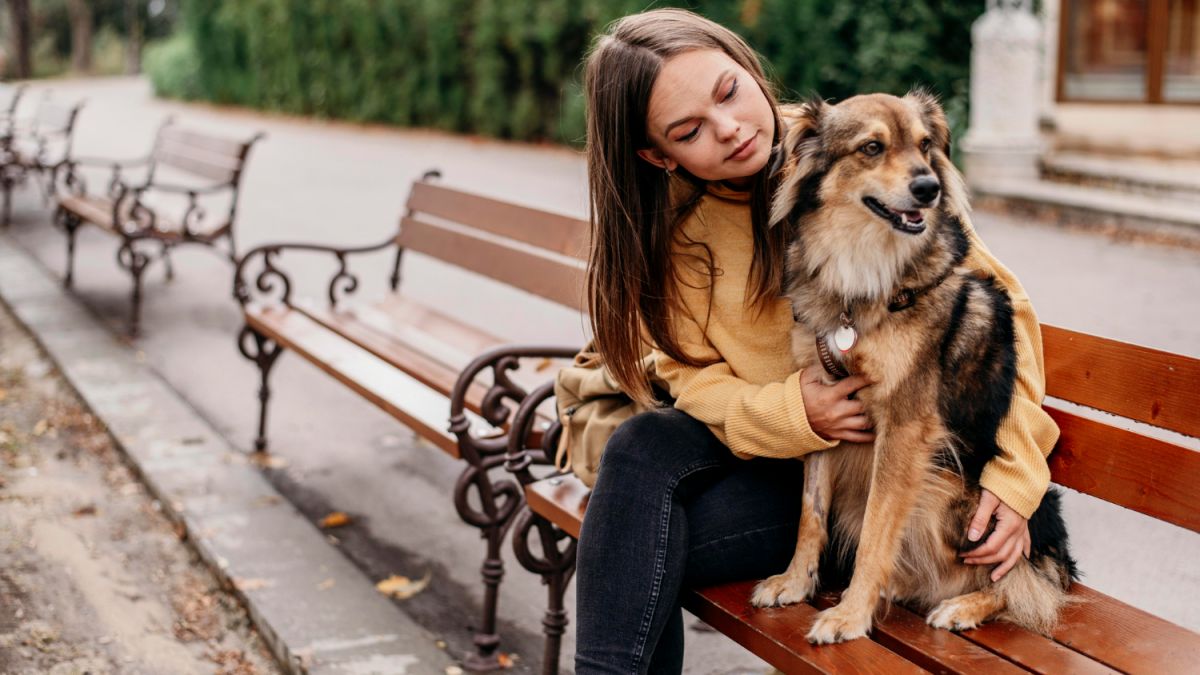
664, 439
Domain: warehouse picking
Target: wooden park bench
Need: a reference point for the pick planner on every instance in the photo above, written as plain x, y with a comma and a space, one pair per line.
38, 147
185, 191
10, 97
405, 356
1095, 455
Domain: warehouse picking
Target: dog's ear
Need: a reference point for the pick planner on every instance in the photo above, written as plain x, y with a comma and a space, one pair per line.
931, 112
796, 155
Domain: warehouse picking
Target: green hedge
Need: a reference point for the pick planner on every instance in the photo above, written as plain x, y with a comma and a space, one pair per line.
509, 69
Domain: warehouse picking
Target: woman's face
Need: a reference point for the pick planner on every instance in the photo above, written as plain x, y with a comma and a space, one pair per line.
708, 115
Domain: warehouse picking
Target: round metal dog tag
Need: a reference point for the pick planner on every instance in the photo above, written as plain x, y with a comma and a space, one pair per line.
845, 337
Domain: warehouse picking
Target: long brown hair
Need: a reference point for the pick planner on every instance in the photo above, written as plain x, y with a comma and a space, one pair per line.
631, 275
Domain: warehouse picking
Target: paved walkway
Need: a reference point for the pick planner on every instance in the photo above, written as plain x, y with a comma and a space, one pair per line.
343, 183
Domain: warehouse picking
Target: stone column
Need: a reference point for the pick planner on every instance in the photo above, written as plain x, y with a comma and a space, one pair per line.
1002, 141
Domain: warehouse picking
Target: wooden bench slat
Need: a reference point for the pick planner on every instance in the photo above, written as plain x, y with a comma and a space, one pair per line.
1032, 651
1150, 476
561, 234
96, 210
1125, 637
191, 163
400, 395
434, 374
1136, 382
777, 634
934, 649
545, 274
217, 145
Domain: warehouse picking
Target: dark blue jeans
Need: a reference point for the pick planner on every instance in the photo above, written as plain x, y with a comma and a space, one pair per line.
672, 508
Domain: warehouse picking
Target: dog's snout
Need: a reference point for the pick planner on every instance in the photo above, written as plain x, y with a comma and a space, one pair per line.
925, 188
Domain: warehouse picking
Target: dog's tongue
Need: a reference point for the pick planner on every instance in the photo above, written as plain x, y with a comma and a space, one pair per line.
913, 216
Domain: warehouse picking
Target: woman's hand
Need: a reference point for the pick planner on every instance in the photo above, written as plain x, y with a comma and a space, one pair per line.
1008, 542
830, 411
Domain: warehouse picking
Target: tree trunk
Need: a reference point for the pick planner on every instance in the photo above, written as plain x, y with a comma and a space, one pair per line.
133, 49
22, 38
81, 35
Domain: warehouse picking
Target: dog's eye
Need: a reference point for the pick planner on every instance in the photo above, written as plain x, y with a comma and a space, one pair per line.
925, 145
871, 149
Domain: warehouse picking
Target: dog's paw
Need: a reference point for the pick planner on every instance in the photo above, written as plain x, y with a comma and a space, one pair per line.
961, 613
783, 589
839, 624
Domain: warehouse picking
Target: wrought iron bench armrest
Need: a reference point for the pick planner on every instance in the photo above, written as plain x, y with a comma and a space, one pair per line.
342, 281
501, 361
75, 184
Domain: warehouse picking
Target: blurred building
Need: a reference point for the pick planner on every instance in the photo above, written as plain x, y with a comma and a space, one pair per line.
1089, 114
1122, 75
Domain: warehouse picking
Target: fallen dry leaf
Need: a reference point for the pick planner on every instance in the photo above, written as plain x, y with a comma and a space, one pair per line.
41, 427
89, 510
543, 365
335, 519
504, 660
268, 461
252, 584
403, 588
3, 394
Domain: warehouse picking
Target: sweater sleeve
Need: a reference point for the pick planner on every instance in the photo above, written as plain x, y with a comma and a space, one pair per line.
752, 420
1019, 475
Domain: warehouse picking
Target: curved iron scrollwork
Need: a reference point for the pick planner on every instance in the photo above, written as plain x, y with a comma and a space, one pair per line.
343, 282
193, 217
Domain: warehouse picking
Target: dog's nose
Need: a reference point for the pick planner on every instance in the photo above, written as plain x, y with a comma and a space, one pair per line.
925, 188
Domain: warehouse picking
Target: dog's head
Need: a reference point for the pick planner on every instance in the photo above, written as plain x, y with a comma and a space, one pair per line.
872, 173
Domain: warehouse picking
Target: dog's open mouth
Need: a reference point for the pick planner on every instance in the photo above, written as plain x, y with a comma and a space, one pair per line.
910, 222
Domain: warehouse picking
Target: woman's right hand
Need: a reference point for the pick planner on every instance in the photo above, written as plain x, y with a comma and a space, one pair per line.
831, 413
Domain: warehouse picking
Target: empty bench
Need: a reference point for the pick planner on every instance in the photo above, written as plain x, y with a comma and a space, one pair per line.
405, 356
1094, 455
185, 191
37, 147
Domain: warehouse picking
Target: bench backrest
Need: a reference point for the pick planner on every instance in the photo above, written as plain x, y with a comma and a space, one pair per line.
536, 251
55, 118
10, 96
214, 158
1159, 478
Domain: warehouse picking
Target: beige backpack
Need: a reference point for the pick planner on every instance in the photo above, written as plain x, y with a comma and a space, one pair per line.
590, 407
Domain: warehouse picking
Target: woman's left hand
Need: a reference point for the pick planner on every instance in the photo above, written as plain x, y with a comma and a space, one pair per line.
1007, 543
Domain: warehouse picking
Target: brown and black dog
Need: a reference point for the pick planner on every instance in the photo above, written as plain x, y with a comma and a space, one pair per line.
874, 272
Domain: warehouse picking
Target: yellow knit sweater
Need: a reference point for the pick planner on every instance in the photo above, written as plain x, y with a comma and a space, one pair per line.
750, 396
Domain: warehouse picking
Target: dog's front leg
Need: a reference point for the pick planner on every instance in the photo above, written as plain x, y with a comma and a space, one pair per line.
799, 581
899, 461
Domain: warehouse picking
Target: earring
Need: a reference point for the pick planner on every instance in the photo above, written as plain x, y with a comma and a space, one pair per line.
668, 170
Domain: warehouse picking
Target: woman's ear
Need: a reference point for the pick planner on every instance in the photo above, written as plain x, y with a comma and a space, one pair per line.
657, 158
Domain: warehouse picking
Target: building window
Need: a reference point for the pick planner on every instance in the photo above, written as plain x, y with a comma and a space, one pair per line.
1143, 51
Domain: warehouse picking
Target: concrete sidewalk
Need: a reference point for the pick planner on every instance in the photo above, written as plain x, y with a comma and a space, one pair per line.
347, 184
251, 538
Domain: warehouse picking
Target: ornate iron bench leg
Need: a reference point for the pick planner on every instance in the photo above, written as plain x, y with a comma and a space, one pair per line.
166, 258
135, 262
6, 184
497, 501
263, 353
556, 566
70, 223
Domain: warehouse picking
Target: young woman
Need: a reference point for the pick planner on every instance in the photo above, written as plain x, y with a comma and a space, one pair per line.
681, 128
